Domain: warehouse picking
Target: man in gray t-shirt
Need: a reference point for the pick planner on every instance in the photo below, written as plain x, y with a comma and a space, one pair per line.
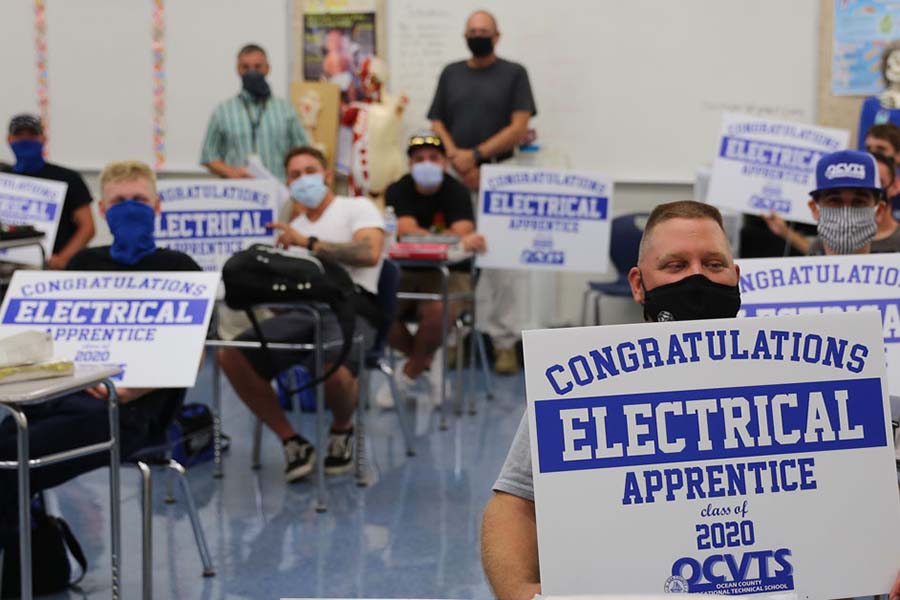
683, 255
481, 110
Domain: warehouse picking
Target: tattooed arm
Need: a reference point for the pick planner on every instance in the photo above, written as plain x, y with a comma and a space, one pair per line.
363, 251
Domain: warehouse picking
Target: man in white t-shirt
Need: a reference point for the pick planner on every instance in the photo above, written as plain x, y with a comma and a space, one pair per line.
351, 232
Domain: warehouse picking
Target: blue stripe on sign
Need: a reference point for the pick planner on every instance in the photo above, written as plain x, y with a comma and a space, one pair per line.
765, 153
891, 307
779, 419
89, 313
26, 209
218, 224
550, 206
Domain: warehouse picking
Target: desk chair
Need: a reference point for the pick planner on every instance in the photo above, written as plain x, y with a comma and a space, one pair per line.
158, 454
317, 347
624, 246
388, 284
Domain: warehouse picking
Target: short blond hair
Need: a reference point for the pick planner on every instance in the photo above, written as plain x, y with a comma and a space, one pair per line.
127, 170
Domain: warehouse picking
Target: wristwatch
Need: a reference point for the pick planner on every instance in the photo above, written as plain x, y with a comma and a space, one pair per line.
310, 242
476, 154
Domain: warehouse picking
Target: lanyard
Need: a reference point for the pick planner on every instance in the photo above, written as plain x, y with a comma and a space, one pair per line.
254, 125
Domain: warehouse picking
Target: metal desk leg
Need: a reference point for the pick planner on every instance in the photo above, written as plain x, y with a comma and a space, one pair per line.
24, 503
320, 414
445, 326
115, 461
362, 400
458, 392
146, 530
217, 415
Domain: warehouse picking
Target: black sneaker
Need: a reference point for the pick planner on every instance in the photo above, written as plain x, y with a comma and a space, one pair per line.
300, 458
339, 459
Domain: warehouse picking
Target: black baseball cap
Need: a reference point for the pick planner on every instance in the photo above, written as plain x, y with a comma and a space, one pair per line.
425, 139
25, 121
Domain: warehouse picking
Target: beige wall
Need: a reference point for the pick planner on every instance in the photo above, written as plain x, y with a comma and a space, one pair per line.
833, 111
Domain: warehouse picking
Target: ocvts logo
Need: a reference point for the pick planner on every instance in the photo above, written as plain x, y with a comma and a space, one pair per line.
762, 570
543, 257
780, 205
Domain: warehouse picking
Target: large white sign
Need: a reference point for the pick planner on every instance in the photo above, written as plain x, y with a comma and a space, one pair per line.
153, 325
732, 456
541, 219
211, 220
764, 166
35, 202
813, 285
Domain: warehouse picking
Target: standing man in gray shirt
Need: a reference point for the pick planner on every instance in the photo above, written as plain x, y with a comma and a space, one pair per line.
481, 110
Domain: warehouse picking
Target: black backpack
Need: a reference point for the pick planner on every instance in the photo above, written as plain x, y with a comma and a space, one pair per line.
51, 543
265, 274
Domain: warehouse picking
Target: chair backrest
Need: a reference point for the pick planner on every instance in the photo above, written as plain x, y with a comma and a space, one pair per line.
388, 285
625, 240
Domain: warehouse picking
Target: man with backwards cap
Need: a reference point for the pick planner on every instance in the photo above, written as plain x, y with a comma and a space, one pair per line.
420, 199
846, 203
76, 223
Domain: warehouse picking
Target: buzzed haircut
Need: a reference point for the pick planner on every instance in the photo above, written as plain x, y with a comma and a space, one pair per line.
681, 209
888, 132
127, 170
488, 15
248, 48
308, 150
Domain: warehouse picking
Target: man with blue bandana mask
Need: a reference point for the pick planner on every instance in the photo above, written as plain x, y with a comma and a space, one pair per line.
425, 200
76, 223
351, 232
129, 203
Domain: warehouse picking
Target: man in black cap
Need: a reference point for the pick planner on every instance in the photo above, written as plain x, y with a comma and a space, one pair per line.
426, 198
76, 223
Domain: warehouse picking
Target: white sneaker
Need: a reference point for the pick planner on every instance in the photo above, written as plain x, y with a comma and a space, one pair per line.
405, 384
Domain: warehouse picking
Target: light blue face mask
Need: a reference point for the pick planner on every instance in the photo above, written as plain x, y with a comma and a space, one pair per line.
309, 190
427, 174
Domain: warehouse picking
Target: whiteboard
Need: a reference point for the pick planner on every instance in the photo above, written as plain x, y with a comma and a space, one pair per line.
20, 74
634, 90
100, 72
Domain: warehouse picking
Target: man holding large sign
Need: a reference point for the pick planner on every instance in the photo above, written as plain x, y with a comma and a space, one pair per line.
684, 258
107, 317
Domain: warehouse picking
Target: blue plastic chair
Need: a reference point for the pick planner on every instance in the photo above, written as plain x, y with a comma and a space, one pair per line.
624, 246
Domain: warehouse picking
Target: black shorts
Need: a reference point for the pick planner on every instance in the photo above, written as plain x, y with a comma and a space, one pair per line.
296, 327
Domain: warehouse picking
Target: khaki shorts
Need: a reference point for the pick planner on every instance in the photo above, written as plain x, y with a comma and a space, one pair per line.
428, 281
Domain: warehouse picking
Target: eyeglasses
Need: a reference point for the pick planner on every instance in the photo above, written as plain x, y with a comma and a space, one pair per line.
428, 140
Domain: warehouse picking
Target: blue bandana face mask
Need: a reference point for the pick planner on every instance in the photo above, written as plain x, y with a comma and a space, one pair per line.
29, 156
131, 223
309, 190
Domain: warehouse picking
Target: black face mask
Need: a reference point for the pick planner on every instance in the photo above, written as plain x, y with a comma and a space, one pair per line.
692, 298
480, 46
255, 84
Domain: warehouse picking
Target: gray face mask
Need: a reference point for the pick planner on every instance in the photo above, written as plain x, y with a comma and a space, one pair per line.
846, 229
